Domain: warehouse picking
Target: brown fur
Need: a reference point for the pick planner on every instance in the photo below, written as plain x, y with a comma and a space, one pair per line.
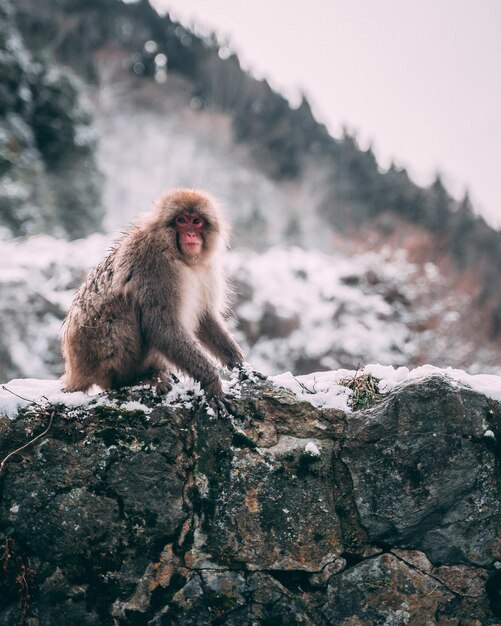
148, 305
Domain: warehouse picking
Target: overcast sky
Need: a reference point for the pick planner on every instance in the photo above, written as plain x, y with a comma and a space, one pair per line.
419, 79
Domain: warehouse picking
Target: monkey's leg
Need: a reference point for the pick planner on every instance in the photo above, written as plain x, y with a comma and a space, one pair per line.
115, 346
214, 336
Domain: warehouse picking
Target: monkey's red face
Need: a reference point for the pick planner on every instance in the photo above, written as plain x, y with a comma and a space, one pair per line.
190, 230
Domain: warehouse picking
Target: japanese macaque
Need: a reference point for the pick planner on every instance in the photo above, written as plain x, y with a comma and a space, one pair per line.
156, 302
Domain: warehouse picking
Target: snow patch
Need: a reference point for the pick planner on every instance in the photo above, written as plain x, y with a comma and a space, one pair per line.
329, 309
312, 449
323, 389
134, 405
21, 392
389, 377
183, 393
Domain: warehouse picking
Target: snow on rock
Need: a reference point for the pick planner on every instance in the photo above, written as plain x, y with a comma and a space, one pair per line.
326, 389
389, 377
322, 389
21, 392
312, 448
183, 392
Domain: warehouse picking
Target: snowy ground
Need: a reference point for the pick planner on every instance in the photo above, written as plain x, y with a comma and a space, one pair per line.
321, 389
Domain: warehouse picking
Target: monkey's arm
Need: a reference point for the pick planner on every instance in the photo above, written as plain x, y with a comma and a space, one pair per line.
181, 350
214, 336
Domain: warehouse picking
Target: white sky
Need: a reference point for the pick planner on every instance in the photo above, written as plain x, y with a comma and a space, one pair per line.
419, 79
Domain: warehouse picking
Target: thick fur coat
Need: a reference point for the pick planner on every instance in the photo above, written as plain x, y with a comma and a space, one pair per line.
148, 306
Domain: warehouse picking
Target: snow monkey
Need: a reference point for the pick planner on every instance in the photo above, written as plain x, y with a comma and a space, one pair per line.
155, 302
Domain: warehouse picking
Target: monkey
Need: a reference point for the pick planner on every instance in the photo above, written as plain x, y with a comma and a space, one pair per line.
157, 301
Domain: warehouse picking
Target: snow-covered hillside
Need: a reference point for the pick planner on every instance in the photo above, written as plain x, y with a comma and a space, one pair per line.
294, 310
306, 311
39, 276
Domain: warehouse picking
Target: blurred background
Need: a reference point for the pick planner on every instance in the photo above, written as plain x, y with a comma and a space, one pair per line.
353, 144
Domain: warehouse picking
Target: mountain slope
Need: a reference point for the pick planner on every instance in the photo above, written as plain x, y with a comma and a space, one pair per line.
331, 180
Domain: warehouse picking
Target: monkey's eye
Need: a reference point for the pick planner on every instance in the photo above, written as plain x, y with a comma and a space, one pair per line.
198, 221
181, 220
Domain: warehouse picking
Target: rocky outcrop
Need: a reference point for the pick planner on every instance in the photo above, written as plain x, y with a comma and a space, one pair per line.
272, 512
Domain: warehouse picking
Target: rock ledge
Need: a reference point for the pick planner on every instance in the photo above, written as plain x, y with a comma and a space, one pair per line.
170, 515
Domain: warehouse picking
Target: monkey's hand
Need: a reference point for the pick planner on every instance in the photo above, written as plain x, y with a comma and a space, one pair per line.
214, 389
246, 372
217, 401
162, 383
